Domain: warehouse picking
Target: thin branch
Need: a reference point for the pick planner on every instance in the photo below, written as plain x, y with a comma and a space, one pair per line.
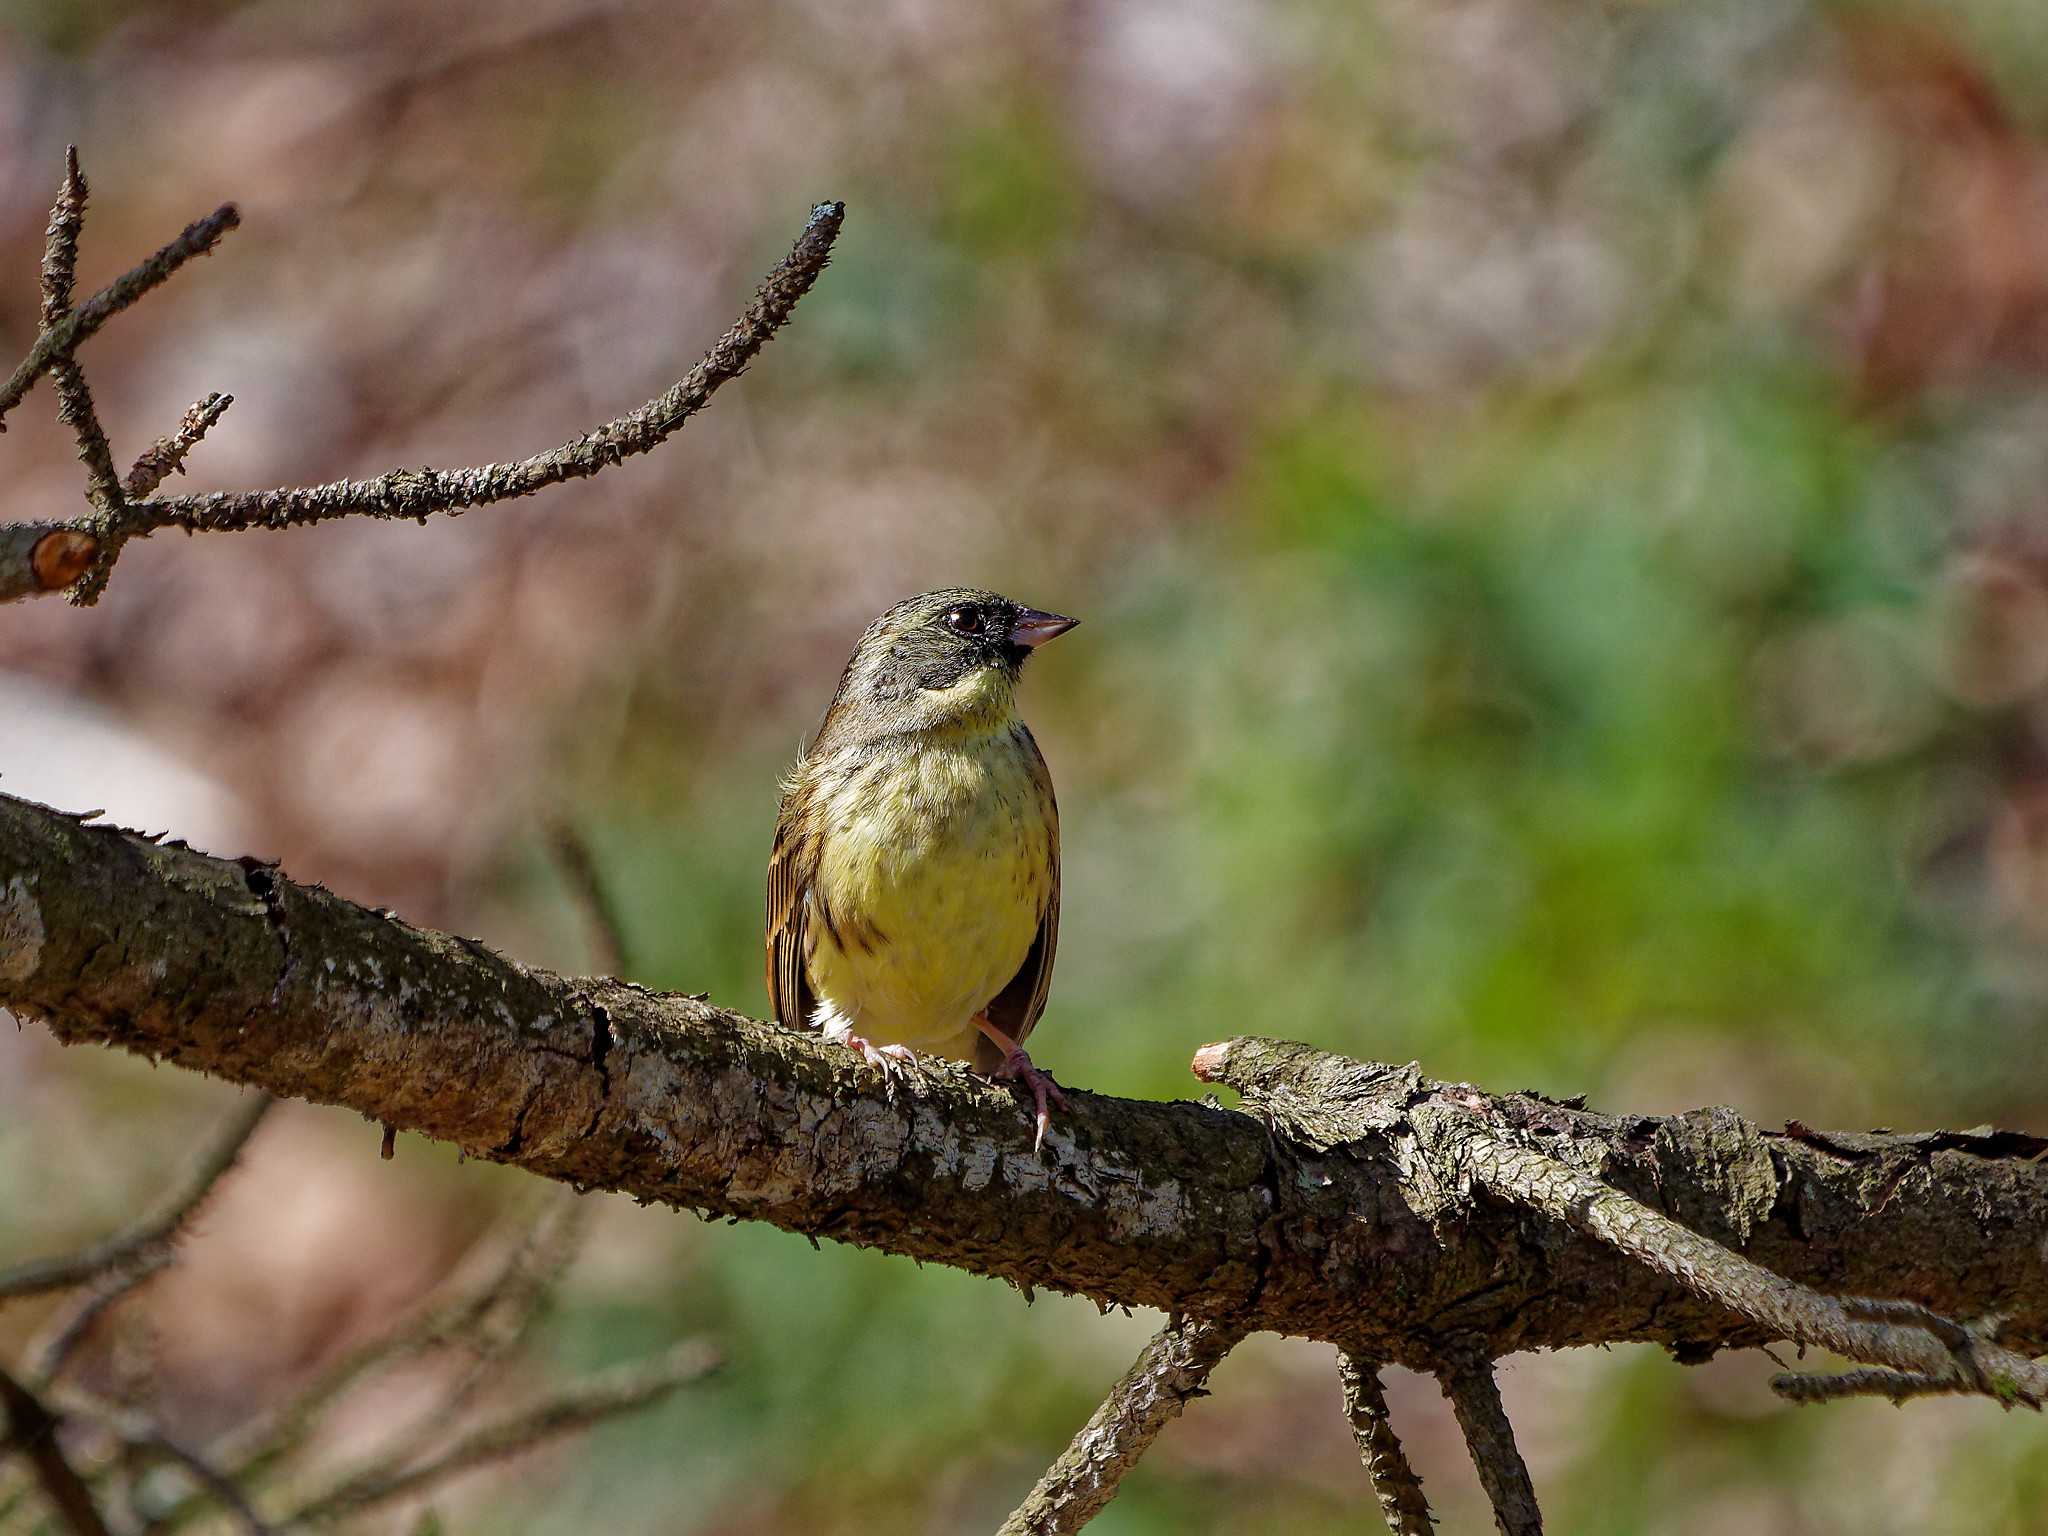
60, 240
32, 1431
64, 338
135, 1245
1475, 1398
517, 1283
600, 913
507, 1319
1394, 1482
604, 1395
74, 399
72, 1327
416, 493
166, 456
1170, 1371
141, 1435
1899, 1386
407, 493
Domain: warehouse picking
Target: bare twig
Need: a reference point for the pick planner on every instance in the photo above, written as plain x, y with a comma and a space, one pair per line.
416, 493
66, 335
166, 456
505, 1319
600, 914
1865, 1382
32, 1431
1394, 1482
74, 399
141, 1435
135, 1245
71, 1327
60, 240
408, 493
1468, 1382
1171, 1370
515, 1285
602, 1396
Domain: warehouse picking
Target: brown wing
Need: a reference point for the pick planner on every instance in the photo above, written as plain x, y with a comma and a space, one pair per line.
1016, 1008
791, 868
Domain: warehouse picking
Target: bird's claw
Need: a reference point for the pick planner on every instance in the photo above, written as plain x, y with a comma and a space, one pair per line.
1044, 1091
894, 1062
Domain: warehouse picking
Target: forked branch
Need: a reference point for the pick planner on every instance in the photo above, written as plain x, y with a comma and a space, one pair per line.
76, 555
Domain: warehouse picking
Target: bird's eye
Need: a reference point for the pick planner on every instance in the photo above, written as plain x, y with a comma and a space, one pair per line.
963, 621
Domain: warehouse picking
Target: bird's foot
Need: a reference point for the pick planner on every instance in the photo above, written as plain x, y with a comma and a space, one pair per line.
1017, 1067
894, 1062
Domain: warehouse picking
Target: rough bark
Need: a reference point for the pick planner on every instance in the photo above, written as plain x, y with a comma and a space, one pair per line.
1327, 1225
1394, 1482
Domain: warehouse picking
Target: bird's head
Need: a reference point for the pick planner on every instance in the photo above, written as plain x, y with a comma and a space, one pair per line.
945, 660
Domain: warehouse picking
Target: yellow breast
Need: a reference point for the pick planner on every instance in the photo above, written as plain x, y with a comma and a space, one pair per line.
935, 869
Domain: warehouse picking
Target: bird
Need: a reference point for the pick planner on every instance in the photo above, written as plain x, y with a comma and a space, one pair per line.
914, 885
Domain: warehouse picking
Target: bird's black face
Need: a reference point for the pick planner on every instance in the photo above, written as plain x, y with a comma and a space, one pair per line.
974, 632
969, 630
930, 644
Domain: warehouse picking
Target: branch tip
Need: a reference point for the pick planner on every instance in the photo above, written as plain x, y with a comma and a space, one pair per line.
1211, 1061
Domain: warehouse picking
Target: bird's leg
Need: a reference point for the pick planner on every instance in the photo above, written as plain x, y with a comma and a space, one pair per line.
1017, 1064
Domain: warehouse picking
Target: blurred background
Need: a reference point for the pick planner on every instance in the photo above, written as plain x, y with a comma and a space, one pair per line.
1559, 497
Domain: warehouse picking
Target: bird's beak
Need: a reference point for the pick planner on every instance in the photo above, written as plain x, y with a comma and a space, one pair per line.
1033, 628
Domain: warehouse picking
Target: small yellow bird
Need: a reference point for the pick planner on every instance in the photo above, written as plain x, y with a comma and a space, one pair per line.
914, 890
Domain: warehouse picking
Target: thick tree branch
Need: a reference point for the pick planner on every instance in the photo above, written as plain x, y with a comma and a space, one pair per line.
230, 968
1169, 1371
1732, 1189
1394, 1482
1903, 1336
